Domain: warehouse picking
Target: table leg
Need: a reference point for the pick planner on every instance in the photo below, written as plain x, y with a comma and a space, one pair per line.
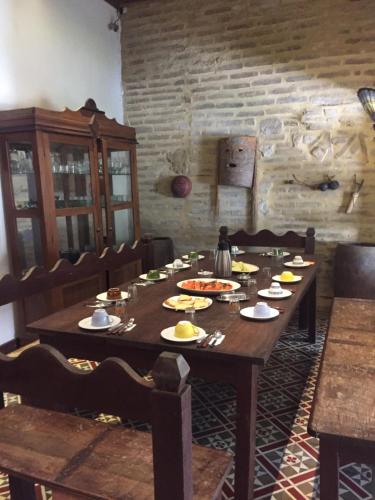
329, 470
311, 301
303, 313
245, 432
20, 489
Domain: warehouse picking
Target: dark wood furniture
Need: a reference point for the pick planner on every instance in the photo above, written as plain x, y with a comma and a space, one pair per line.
354, 270
343, 413
69, 184
237, 360
90, 459
266, 238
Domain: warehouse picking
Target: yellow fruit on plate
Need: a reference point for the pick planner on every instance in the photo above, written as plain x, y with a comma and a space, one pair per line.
185, 330
287, 276
243, 267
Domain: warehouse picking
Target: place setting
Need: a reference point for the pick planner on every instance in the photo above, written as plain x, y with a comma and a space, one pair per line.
287, 277
153, 276
178, 265
275, 292
186, 332
260, 312
298, 262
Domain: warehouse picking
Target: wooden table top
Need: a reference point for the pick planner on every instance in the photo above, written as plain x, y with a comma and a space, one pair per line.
245, 339
345, 397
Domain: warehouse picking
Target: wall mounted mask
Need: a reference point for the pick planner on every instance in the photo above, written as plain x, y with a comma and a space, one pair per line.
237, 161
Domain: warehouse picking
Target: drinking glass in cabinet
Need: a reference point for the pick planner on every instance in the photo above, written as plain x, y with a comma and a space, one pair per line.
119, 173
71, 175
23, 176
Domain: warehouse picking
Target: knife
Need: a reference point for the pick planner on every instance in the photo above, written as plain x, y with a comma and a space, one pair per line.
204, 343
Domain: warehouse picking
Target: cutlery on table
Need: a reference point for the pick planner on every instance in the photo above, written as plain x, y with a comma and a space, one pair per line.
204, 342
215, 339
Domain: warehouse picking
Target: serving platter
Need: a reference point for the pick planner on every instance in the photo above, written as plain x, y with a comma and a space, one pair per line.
250, 268
181, 306
168, 334
205, 281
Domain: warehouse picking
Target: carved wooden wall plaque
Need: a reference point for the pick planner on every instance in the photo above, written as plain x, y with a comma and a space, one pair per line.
237, 161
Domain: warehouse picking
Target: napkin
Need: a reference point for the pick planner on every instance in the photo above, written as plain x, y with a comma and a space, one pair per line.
131, 327
219, 341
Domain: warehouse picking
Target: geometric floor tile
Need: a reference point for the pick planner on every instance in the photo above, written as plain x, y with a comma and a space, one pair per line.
287, 459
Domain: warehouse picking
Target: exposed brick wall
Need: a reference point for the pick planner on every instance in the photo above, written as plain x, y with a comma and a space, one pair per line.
286, 71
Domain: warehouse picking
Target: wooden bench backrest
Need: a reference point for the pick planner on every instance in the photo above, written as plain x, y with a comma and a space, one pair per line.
43, 376
39, 279
266, 238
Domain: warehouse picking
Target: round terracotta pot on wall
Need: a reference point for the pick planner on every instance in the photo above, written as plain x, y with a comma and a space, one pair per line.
354, 270
181, 186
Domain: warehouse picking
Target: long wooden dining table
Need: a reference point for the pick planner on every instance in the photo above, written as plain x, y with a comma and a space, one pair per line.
237, 360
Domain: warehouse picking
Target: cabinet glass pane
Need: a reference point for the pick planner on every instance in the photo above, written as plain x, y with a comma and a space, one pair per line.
76, 235
29, 242
23, 175
123, 227
119, 173
71, 175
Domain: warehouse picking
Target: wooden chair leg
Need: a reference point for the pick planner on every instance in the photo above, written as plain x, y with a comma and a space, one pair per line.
20, 489
329, 470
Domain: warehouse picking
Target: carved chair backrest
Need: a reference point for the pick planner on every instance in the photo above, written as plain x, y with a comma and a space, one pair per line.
39, 279
46, 379
266, 238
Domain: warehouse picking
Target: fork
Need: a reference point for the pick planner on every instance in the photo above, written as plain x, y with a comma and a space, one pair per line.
216, 336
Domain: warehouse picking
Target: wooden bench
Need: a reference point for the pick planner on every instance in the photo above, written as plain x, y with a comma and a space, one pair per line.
82, 458
343, 413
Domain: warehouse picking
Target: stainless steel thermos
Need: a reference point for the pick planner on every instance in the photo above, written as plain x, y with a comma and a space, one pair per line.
223, 261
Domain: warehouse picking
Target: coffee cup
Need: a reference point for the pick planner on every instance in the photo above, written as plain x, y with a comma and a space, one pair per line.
100, 317
261, 310
234, 249
185, 330
298, 260
275, 289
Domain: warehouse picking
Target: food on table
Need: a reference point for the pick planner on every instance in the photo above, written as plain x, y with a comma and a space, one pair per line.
185, 330
183, 302
287, 276
243, 267
275, 289
178, 263
193, 255
114, 294
153, 274
208, 286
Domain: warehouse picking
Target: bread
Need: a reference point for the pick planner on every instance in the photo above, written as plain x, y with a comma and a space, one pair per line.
114, 294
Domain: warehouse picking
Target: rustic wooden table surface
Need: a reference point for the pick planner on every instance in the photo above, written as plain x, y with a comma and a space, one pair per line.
237, 360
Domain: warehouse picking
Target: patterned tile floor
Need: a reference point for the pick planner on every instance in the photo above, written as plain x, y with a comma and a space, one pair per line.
287, 457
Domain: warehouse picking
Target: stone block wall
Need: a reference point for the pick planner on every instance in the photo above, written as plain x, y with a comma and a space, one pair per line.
286, 71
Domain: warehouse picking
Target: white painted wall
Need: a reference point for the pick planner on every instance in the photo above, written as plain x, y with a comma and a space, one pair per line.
56, 54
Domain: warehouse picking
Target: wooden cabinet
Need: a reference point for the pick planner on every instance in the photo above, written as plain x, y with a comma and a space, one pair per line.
69, 184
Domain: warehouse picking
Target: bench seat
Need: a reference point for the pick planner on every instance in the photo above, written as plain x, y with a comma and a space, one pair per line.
93, 459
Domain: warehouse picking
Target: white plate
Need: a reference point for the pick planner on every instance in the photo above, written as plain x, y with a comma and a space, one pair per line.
265, 293
103, 297
254, 269
168, 334
277, 278
239, 252
162, 277
86, 323
235, 286
184, 266
291, 264
248, 312
175, 297
285, 254
200, 257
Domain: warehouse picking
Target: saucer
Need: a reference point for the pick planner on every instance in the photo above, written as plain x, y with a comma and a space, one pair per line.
277, 278
200, 257
248, 312
103, 297
266, 293
292, 264
184, 266
168, 334
162, 277
239, 252
85, 323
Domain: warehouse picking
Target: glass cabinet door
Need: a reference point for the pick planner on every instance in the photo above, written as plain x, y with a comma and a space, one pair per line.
119, 176
122, 227
23, 175
72, 175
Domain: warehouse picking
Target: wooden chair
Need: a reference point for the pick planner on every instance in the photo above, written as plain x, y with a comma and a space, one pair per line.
83, 458
266, 238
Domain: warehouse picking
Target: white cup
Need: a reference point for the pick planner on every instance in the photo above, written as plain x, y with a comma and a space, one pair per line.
100, 318
298, 260
261, 309
234, 250
275, 289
